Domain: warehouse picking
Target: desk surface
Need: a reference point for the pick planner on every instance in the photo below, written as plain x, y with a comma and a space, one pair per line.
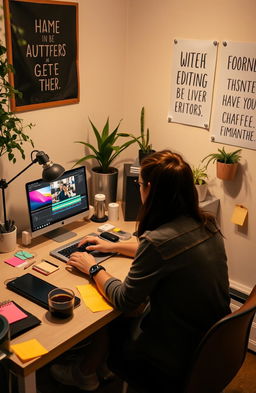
59, 335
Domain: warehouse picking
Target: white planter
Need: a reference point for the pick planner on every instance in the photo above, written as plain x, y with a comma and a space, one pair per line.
201, 191
8, 241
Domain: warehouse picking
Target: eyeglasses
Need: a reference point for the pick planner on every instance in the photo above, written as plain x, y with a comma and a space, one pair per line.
140, 183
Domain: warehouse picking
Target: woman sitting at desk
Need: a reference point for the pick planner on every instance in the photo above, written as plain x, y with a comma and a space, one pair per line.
179, 271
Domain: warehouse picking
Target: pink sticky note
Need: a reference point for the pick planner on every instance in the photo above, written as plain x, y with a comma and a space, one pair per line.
11, 312
14, 261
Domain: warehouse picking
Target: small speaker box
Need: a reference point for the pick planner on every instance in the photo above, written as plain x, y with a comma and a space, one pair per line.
131, 194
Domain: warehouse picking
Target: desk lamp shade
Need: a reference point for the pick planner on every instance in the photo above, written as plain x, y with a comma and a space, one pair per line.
51, 171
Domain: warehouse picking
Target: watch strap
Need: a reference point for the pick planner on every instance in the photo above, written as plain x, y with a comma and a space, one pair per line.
94, 269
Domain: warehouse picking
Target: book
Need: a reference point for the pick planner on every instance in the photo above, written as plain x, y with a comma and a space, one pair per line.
19, 319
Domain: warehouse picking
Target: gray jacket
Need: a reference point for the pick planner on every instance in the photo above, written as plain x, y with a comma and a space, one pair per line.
181, 268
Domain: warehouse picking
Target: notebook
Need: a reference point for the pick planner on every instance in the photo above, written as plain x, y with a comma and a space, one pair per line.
19, 319
63, 252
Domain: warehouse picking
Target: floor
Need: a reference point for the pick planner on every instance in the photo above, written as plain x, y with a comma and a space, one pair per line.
244, 382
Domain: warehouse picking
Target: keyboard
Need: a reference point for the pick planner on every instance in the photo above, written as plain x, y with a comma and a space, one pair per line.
74, 248
63, 252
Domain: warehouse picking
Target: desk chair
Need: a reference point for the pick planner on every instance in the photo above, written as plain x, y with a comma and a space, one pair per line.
220, 354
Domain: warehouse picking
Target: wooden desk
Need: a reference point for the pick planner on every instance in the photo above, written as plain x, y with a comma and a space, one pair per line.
57, 336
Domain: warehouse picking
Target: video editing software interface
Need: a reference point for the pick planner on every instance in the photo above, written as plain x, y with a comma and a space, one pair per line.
56, 201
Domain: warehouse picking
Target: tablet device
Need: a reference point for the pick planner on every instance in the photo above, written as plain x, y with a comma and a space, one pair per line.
34, 289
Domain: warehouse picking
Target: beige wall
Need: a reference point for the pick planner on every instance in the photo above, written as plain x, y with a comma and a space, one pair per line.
102, 30
125, 51
152, 26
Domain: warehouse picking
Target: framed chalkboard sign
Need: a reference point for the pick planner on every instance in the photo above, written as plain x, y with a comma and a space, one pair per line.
42, 45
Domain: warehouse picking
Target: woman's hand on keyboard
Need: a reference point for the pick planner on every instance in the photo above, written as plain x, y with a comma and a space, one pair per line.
82, 261
99, 244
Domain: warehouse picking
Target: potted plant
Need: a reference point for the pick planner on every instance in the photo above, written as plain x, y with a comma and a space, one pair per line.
12, 134
227, 163
104, 176
199, 177
143, 139
12, 138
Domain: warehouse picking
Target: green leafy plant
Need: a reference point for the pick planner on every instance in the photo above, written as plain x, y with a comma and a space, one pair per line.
199, 174
143, 139
12, 135
107, 149
223, 156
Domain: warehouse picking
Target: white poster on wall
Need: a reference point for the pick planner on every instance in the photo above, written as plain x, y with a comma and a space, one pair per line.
234, 116
192, 77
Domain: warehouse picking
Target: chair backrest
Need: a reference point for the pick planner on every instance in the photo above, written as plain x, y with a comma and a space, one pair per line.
222, 351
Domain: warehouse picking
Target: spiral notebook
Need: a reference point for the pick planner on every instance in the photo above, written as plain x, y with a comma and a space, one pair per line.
19, 319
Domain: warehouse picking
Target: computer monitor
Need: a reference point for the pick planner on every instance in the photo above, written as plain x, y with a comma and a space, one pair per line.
52, 205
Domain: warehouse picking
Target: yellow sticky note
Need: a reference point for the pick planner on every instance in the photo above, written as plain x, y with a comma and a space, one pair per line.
93, 299
239, 215
28, 349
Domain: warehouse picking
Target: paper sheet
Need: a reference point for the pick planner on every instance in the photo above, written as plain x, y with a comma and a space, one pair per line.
28, 350
239, 215
93, 299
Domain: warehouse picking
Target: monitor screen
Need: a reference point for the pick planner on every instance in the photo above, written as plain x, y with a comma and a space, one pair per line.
55, 204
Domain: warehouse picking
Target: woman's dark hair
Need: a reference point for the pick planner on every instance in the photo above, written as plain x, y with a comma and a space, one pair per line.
172, 191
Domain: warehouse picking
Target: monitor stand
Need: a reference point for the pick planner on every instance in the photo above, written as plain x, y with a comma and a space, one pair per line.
60, 235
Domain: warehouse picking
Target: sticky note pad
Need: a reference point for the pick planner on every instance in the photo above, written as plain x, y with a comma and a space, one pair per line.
93, 299
11, 312
28, 349
45, 267
14, 261
239, 215
23, 254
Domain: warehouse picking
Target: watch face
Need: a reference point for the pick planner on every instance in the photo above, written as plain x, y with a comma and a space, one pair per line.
95, 269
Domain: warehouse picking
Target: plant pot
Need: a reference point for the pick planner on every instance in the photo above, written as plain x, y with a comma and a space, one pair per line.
226, 171
104, 183
143, 154
201, 191
8, 241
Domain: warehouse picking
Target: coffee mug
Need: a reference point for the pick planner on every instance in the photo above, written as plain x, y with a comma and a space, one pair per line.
4, 337
61, 302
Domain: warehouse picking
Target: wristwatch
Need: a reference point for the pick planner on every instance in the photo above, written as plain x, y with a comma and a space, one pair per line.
94, 269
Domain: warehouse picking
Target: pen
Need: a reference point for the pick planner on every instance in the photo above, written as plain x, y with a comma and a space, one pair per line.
53, 264
29, 264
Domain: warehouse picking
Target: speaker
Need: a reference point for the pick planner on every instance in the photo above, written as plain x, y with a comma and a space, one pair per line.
26, 238
131, 194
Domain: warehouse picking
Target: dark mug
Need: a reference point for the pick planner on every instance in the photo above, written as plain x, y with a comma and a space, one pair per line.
61, 302
4, 337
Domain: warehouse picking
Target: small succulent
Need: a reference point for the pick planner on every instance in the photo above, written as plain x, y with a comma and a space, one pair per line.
199, 174
223, 156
